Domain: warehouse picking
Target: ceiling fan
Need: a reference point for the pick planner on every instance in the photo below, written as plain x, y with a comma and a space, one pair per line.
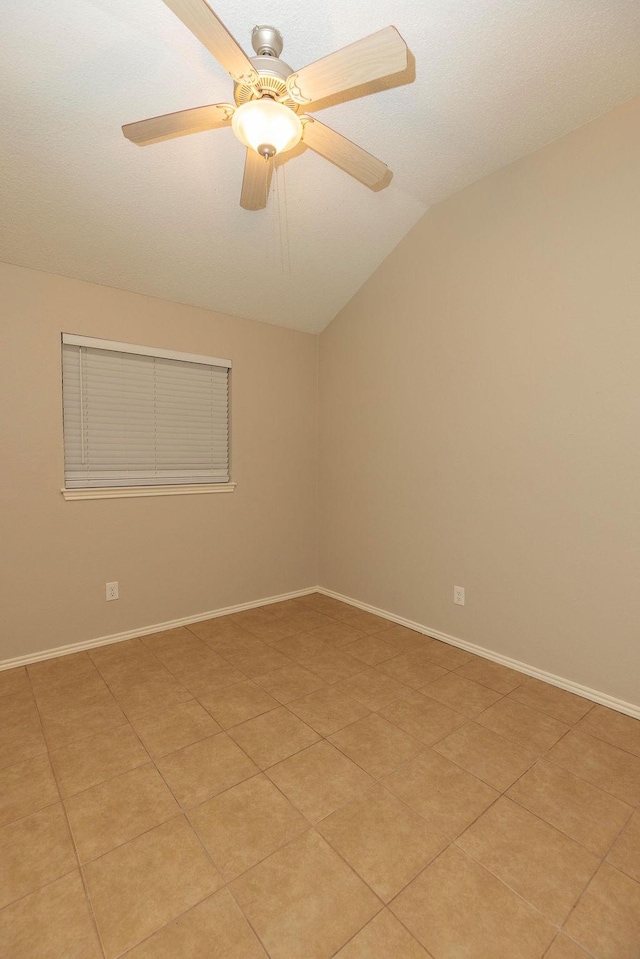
268, 97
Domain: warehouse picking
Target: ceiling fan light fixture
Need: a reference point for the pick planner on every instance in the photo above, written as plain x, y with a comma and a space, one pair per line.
266, 126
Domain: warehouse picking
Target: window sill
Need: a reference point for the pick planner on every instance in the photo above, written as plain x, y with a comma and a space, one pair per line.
121, 492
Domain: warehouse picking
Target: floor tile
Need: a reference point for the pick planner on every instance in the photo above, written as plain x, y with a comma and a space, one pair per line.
541, 864
96, 758
169, 645
220, 629
376, 745
303, 901
558, 703
404, 640
613, 727
34, 851
424, 719
494, 675
445, 795
118, 810
75, 722
383, 938
461, 694
370, 650
319, 780
248, 618
273, 736
14, 683
156, 692
625, 853
203, 669
52, 923
129, 651
521, 724
307, 619
366, 622
205, 679
139, 887
416, 672
495, 760
205, 769
289, 682
332, 666
328, 709
606, 921
165, 729
565, 948
25, 788
213, 928
244, 825
301, 646
383, 840
129, 665
456, 908
445, 655
185, 650
54, 699
238, 703
227, 643
374, 689
254, 662
61, 670
583, 812
17, 707
599, 763
274, 629
337, 634
21, 741
327, 604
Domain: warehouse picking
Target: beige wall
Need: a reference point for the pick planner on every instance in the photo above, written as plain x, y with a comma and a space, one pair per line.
172, 556
480, 416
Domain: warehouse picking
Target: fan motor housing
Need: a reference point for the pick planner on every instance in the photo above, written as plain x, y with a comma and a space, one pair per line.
272, 71
272, 81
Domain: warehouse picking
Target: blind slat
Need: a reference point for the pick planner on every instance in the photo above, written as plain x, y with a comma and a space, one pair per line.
132, 419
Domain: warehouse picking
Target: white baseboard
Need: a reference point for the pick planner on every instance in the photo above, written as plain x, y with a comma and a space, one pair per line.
146, 630
585, 691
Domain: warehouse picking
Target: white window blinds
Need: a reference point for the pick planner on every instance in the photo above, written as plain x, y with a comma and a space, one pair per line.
142, 417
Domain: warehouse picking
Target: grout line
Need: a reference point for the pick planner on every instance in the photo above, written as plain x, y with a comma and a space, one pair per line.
602, 863
88, 900
377, 781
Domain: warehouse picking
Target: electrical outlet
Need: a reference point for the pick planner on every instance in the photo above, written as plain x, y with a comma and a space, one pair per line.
458, 595
112, 591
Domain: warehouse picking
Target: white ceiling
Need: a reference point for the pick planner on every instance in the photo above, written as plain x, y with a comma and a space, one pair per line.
494, 80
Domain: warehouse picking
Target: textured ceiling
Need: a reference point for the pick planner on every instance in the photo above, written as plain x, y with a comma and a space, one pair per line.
494, 80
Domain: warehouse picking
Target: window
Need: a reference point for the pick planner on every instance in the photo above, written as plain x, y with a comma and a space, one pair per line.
140, 417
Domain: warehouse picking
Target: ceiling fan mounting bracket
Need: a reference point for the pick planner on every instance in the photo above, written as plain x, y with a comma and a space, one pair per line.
267, 41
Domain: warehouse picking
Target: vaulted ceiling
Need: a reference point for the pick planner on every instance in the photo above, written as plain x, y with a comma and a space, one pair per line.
489, 81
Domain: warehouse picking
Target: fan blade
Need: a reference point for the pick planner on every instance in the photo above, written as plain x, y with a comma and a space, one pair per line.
368, 59
256, 181
347, 155
178, 124
198, 17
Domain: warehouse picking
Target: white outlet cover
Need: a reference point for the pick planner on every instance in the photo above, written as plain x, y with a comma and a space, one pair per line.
458, 595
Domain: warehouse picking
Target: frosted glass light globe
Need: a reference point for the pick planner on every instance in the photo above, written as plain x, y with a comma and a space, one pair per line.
266, 126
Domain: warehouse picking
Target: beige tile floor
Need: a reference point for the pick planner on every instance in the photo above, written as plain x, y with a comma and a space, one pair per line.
306, 780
